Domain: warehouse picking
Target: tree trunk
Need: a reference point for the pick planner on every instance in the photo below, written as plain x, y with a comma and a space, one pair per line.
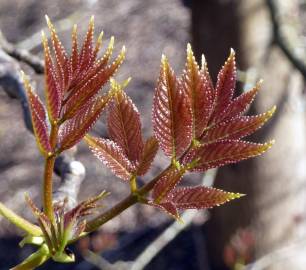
275, 183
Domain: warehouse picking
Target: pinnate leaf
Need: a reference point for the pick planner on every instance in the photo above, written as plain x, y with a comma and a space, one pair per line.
87, 90
61, 57
112, 156
124, 125
86, 54
74, 129
237, 128
166, 183
200, 197
172, 119
53, 89
167, 207
199, 89
225, 86
224, 152
148, 154
39, 118
239, 105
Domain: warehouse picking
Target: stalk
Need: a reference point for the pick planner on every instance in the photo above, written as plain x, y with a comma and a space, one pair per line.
48, 174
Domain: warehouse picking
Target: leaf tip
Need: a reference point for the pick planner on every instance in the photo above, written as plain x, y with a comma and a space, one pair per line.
232, 53
271, 111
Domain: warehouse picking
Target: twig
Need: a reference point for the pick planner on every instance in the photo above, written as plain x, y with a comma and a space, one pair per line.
172, 231
22, 55
278, 255
101, 263
279, 40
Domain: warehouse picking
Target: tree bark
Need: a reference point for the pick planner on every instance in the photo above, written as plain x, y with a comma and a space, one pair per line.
275, 183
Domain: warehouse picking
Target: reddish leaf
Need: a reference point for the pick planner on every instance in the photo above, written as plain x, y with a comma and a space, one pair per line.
39, 118
224, 152
225, 86
197, 85
166, 183
124, 125
168, 207
91, 87
112, 156
60, 54
73, 130
200, 197
240, 104
148, 155
172, 120
237, 128
86, 54
53, 90
74, 66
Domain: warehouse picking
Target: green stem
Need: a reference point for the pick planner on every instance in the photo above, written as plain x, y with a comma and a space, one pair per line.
48, 187
133, 184
19, 221
34, 260
48, 174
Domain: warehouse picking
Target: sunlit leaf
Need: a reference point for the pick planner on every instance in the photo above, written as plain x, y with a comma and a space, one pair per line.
39, 118
224, 152
124, 125
111, 155
166, 183
197, 85
225, 86
239, 104
73, 130
167, 207
200, 197
53, 89
237, 128
87, 90
172, 119
148, 155
61, 57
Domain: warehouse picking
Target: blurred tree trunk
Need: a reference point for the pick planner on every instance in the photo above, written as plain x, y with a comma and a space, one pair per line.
275, 183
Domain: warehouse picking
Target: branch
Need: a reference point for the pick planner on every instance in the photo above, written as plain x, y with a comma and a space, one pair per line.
278, 255
21, 55
279, 40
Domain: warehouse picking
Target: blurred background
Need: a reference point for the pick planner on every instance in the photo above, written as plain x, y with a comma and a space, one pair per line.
265, 229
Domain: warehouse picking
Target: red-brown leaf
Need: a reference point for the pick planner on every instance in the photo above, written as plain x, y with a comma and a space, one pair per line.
112, 156
124, 125
148, 155
74, 129
166, 183
224, 152
86, 54
240, 104
53, 89
198, 87
167, 207
200, 197
172, 120
92, 86
39, 118
60, 54
237, 128
225, 86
